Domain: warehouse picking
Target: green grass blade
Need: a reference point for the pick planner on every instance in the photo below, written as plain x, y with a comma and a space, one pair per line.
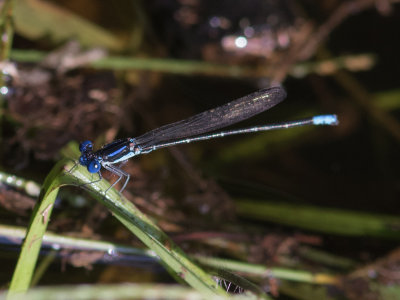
327, 220
138, 223
119, 291
36, 19
40, 217
257, 270
152, 236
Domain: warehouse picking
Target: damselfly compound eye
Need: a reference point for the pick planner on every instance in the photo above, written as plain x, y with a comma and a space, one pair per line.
85, 146
94, 166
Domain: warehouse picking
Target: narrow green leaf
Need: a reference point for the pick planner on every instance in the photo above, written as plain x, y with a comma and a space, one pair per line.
150, 234
138, 223
119, 291
37, 19
40, 217
328, 220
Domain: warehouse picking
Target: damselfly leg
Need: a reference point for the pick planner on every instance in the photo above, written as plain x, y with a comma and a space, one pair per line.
113, 169
94, 181
76, 163
120, 173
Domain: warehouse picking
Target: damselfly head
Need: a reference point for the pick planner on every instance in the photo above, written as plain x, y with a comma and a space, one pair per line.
89, 160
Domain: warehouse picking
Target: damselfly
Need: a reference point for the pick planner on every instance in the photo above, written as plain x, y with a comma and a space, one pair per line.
191, 130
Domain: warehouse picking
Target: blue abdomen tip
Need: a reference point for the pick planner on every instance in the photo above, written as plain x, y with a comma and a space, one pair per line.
326, 120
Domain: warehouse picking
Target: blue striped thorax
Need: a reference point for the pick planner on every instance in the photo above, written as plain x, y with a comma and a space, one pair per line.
112, 153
